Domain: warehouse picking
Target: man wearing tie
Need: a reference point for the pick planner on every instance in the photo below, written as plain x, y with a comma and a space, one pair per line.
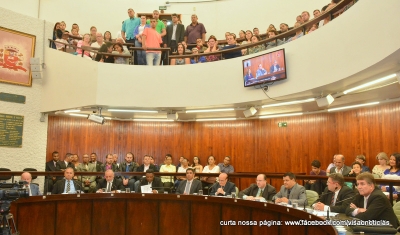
371, 203
51, 166
261, 191
335, 195
190, 185
109, 183
66, 185
224, 187
291, 190
33, 189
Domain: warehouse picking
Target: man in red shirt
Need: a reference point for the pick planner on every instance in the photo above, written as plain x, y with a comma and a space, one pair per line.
152, 39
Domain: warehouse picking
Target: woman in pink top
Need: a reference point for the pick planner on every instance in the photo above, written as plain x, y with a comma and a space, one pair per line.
84, 43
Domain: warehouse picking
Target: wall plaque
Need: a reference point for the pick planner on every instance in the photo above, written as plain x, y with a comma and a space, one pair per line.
11, 129
7, 97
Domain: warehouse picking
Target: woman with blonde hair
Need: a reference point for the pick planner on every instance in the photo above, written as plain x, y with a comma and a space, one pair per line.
383, 164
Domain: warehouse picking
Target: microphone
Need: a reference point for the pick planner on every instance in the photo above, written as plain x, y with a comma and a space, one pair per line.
209, 189
79, 185
348, 198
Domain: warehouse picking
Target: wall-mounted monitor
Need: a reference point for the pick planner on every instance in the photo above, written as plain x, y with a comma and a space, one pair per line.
264, 68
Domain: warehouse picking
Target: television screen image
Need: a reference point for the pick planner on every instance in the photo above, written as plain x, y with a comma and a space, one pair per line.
264, 68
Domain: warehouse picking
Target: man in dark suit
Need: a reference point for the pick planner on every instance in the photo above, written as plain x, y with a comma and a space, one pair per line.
190, 185
33, 189
66, 185
62, 165
109, 183
97, 164
335, 192
224, 187
371, 203
155, 182
109, 165
261, 191
51, 166
340, 167
128, 166
143, 168
175, 34
291, 190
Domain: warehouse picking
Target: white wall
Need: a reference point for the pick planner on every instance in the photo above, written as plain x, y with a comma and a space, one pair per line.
33, 151
217, 16
330, 54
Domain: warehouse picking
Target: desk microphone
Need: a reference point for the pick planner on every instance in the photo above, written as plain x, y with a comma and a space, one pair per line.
209, 189
348, 198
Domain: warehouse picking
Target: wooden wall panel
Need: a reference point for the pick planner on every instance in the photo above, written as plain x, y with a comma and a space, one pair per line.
254, 145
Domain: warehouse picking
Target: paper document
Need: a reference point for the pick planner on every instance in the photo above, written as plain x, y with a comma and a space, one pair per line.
146, 189
324, 213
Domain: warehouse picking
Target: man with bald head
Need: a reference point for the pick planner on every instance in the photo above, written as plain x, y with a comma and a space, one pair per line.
33, 189
224, 187
340, 167
109, 183
98, 43
260, 191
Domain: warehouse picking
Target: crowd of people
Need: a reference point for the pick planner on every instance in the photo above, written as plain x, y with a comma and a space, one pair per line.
151, 35
364, 200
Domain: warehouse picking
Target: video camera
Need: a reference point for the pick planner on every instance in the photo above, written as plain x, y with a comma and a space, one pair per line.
10, 192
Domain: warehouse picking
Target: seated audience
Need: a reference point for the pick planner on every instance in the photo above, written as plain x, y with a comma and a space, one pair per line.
247, 40
182, 169
332, 164
356, 169
226, 167
152, 161
361, 160
299, 32
299, 19
87, 180
56, 27
107, 37
168, 167
242, 34
393, 173
316, 185
186, 47
66, 185
231, 44
109, 164
212, 47
271, 27
257, 48
109, 184
210, 168
383, 164
335, 195
199, 45
129, 165
119, 50
85, 42
62, 165
224, 186
33, 189
122, 42
93, 31
340, 167
60, 38
197, 165
371, 203
261, 190
283, 29
191, 185
274, 43
97, 44
75, 160
197, 59
291, 191
256, 32
105, 48
154, 182
74, 41
180, 61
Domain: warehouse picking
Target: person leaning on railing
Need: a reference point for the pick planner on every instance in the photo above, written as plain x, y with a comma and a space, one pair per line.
180, 61
106, 48
197, 59
119, 50
84, 42
212, 47
299, 32
257, 48
278, 42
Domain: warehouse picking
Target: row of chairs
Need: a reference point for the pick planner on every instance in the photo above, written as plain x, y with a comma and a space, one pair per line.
6, 177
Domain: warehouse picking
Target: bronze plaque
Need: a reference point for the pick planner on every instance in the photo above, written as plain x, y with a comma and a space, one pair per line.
11, 129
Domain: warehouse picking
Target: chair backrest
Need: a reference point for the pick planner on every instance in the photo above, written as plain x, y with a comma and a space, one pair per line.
30, 169
312, 196
396, 208
5, 177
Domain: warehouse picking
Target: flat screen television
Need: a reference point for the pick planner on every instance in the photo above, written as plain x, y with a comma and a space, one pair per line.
264, 68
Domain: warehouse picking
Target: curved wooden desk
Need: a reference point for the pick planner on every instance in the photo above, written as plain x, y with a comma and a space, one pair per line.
154, 214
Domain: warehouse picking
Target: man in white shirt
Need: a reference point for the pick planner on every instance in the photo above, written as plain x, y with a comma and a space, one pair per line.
33, 189
340, 167
181, 169
98, 43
